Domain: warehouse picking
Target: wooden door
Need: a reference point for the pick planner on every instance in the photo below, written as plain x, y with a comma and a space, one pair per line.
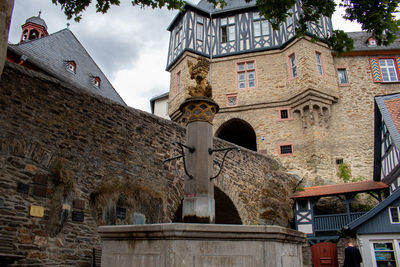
324, 254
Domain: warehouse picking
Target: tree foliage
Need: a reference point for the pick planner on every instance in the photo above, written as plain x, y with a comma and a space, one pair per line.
376, 17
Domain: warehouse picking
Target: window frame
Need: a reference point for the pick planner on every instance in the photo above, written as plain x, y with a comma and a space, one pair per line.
338, 69
258, 20
280, 114
293, 69
96, 82
178, 41
73, 64
200, 22
320, 64
246, 72
227, 99
225, 27
390, 214
285, 154
393, 59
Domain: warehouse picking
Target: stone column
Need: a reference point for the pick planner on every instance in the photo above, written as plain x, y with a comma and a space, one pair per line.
6, 7
198, 202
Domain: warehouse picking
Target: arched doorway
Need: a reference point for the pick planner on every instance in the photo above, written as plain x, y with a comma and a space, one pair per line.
225, 210
239, 132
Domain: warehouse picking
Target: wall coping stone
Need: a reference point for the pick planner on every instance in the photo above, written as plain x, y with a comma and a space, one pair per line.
201, 231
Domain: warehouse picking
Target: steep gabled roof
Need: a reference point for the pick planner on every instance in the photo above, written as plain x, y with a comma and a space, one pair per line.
378, 208
51, 54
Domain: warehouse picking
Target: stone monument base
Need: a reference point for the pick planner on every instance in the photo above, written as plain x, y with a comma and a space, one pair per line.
193, 245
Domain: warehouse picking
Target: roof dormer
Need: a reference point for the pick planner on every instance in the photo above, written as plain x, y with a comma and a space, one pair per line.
95, 81
70, 66
371, 42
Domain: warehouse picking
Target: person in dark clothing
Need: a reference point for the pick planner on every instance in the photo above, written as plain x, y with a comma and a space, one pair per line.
352, 256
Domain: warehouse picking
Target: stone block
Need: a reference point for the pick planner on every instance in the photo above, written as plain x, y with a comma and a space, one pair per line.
79, 204
40, 179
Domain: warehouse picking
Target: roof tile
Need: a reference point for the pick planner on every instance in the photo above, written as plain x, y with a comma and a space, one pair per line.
337, 189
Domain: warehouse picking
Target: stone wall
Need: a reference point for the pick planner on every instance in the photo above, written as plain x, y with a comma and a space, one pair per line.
336, 121
86, 161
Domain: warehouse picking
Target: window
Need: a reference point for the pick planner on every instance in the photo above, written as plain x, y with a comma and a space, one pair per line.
286, 149
227, 29
260, 26
384, 253
371, 42
339, 161
178, 37
302, 204
25, 35
231, 100
284, 113
199, 29
33, 34
388, 70
71, 66
394, 214
342, 76
293, 67
178, 83
319, 63
246, 75
289, 20
96, 81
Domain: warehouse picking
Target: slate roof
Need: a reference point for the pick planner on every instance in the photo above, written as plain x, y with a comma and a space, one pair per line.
371, 213
37, 20
50, 54
337, 189
361, 42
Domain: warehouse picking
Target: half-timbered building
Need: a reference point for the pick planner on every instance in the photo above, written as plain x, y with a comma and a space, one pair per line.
282, 95
378, 231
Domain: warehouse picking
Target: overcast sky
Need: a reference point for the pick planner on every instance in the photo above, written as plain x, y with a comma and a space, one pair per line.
128, 43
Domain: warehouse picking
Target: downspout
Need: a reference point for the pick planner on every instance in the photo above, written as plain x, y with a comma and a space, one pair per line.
211, 52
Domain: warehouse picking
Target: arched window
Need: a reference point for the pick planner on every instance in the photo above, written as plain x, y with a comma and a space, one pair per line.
34, 34
25, 35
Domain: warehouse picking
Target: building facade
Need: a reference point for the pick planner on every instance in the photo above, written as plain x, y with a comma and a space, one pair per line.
288, 97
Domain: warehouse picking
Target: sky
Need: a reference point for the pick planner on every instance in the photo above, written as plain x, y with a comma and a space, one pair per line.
129, 44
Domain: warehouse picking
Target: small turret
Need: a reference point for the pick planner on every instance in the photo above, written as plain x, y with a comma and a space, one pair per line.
34, 28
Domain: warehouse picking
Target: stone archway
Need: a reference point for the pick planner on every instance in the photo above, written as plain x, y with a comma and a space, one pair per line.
225, 210
239, 132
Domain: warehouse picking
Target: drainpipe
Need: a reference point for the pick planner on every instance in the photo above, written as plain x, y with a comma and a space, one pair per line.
211, 52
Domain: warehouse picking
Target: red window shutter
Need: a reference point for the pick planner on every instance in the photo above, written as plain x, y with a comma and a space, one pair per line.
376, 73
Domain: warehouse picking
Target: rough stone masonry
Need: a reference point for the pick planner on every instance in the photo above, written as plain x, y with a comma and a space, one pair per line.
85, 161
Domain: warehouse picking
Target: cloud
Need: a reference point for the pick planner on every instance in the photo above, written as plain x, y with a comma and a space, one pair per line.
128, 43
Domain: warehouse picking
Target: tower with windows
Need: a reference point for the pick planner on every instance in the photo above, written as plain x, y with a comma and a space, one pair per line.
34, 28
282, 95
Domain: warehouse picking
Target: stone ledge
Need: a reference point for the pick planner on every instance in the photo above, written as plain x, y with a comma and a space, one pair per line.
201, 231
